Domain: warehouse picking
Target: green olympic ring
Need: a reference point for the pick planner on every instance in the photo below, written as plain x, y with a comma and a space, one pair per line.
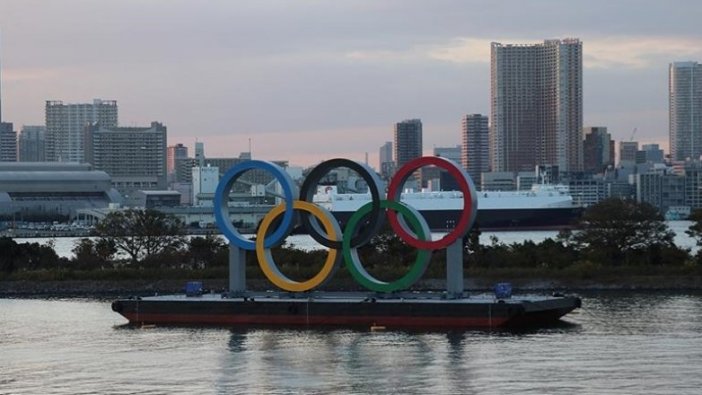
354, 265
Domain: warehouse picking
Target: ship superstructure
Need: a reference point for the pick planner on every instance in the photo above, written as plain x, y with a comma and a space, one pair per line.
544, 206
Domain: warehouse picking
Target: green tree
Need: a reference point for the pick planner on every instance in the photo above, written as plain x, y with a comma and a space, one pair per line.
27, 256
205, 251
90, 253
11, 255
616, 229
695, 231
140, 233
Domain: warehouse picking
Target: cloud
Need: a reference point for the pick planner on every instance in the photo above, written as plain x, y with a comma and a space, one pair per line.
599, 53
639, 52
29, 74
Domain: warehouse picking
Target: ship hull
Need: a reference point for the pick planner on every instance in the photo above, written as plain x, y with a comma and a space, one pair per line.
345, 311
497, 219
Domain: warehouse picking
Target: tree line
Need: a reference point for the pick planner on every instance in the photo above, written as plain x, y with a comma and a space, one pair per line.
612, 233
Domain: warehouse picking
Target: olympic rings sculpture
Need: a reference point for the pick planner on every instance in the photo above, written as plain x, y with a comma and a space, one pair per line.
321, 225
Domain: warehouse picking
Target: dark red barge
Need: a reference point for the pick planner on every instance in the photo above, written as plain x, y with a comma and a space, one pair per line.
408, 311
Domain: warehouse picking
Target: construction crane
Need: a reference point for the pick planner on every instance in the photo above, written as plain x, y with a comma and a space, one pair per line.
633, 132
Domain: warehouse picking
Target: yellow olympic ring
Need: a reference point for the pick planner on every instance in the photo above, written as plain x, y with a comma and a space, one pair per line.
265, 258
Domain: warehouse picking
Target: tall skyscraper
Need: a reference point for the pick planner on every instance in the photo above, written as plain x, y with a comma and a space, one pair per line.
66, 124
407, 141
134, 157
536, 105
685, 110
32, 141
598, 149
475, 151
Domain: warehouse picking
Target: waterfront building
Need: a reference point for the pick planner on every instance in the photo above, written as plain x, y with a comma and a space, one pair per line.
452, 153
685, 110
407, 145
598, 149
186, 192
45, 191
8, 142
661, 189
587, 191
440, 179
385, 162
157, 199
135, 157
407, 142
32, 140
205, 180
66, 123
650, 153
627, 153
508, 180
173, 153
225, 163
536, 100
183, 170
200, 153
693, 184
475, 151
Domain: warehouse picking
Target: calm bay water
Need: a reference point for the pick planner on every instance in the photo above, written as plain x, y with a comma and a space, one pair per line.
64, 245
616, 344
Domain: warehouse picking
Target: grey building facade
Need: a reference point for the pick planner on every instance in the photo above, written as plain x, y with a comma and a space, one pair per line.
8, 142
536, 100
134, 157
407, 144
173, 154
42, 191
385, 162
475, 150
32, 140
598, 149
66, 123
685, 110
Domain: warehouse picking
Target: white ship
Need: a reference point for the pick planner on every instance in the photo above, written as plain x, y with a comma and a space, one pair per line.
541, 207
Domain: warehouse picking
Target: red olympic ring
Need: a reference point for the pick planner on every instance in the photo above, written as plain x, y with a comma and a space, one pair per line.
470, 202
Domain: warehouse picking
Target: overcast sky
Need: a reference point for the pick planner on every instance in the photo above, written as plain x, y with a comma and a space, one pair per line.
313, 80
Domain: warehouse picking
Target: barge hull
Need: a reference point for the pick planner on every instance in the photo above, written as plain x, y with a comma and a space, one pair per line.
350, 312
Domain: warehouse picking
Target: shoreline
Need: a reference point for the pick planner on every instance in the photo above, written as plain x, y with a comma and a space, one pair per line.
126, 288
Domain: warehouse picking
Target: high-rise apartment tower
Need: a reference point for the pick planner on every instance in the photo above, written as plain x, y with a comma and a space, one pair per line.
536, 105
134, 157
407, 141
66, 125
685, 110
475, 135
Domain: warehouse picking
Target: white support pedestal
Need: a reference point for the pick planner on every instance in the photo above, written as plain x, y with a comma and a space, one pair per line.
454, 270
237, 269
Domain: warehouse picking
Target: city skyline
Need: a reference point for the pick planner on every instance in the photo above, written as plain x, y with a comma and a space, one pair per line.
329, 79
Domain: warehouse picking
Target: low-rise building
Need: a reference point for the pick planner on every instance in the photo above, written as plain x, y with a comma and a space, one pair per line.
42, 191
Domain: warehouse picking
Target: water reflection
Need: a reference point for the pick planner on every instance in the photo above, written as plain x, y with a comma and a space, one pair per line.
618, 343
